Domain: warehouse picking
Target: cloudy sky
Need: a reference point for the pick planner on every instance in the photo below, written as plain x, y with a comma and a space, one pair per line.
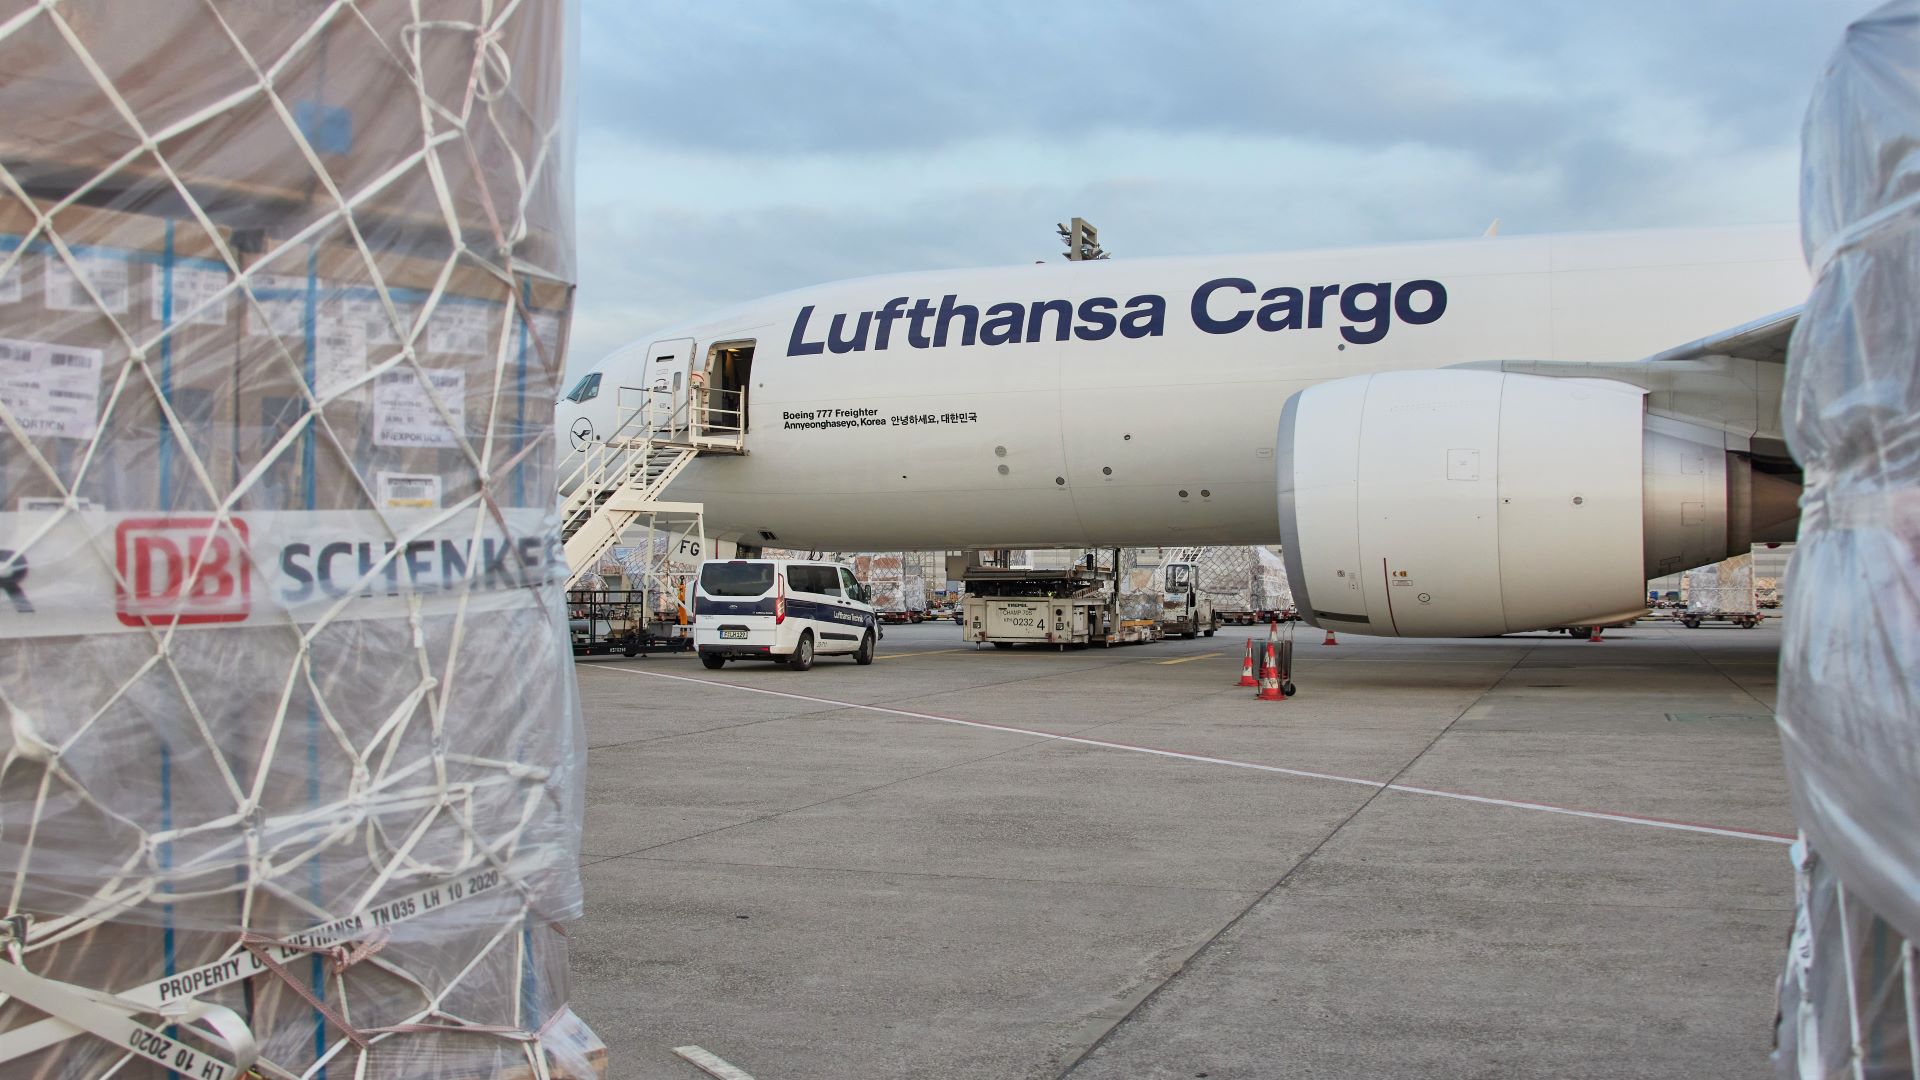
730, 149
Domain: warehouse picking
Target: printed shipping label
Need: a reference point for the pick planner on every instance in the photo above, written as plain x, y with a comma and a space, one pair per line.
370, 311
339, 356
460, 328
193, 287
407, 491
279, 307
403, 414
51, 390
108, 277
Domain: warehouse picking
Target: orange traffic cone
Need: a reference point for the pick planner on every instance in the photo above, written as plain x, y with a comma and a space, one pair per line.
1270, 678
1593, 635
1246, 668
1330, 639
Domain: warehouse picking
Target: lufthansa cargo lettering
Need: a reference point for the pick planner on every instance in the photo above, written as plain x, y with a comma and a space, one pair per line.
1365, 312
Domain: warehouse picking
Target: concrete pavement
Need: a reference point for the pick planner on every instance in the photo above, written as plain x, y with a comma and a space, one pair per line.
820, 874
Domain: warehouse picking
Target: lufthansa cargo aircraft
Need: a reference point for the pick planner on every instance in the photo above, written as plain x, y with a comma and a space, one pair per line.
1456, 438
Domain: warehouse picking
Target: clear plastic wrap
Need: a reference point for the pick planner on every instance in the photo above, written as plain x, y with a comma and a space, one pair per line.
291, 729
1849, 712
1726, 586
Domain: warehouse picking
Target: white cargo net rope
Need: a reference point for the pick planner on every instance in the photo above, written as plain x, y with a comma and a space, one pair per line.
382, 781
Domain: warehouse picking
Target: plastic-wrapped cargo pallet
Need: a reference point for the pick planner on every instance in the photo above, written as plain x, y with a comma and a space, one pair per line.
292, 747
1725, 586
1849, 712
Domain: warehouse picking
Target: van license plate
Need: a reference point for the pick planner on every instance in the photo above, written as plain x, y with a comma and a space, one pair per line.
733, 634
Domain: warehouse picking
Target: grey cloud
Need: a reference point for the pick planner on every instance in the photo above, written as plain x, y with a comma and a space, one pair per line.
854, 77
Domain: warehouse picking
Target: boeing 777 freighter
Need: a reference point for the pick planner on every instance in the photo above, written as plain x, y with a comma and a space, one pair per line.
1453, 438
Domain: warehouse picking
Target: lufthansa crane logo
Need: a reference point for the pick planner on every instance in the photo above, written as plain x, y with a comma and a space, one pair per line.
581, 433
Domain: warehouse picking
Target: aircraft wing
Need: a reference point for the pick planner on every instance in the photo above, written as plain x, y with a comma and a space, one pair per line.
1763, 340
1730, 380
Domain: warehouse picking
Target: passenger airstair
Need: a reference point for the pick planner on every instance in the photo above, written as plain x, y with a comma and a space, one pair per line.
619, 485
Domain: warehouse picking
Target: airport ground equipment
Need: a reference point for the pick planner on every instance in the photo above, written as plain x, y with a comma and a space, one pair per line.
601, 622
294, 761
1185, 611
1015, 606
1745, 620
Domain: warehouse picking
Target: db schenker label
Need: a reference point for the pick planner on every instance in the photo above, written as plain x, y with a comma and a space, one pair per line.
181, 570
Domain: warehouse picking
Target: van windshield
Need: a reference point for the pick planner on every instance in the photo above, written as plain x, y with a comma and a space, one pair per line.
736, 578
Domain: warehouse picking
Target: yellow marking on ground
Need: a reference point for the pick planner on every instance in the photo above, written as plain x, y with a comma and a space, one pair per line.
929, 652
1191, 659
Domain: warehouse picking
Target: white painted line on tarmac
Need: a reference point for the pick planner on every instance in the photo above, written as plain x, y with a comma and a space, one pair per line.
1405, 789
710, 1064
1190, 659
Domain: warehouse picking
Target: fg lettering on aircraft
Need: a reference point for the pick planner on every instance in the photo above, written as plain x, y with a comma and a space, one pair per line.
1227, 305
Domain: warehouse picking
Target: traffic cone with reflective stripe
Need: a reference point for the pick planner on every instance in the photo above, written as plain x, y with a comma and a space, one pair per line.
1270, 677
1593, 634
1246, 668
1330, 638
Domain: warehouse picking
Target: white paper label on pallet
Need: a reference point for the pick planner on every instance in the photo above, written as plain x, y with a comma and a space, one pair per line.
461, 328
51, 390
373, 314
95, 572
108, 276
241, 964
339, 355
193, 287
407, 491
403, 414
279, 306
10, 285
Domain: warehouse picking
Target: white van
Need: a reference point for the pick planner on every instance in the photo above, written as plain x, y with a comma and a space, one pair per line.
781, 609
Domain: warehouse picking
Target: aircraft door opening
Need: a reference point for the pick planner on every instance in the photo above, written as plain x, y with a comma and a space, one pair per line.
727, 373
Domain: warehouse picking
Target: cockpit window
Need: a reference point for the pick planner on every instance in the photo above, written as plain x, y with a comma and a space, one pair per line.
586, 389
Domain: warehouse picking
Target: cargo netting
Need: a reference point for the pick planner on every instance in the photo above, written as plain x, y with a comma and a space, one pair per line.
293, 756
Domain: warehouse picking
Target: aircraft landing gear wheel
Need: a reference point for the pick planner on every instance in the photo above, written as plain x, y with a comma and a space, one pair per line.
712, 662
864, 655
802, 657
1579, 631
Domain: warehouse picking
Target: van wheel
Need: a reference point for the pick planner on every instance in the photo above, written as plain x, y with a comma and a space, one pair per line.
712, 662
802, 657
1209, 631
864, 655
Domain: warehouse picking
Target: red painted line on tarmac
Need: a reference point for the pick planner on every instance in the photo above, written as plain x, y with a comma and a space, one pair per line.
1309, 774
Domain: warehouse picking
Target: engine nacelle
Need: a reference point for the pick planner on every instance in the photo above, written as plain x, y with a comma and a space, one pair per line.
1466, 503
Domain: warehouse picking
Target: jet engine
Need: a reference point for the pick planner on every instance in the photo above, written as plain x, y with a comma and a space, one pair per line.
1464, 503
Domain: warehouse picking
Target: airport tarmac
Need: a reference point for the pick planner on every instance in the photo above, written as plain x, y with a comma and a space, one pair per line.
1512, 857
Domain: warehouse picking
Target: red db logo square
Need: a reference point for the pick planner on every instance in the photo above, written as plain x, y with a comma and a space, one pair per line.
181, 570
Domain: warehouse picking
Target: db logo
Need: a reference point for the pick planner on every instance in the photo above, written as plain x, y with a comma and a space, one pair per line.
180, 570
